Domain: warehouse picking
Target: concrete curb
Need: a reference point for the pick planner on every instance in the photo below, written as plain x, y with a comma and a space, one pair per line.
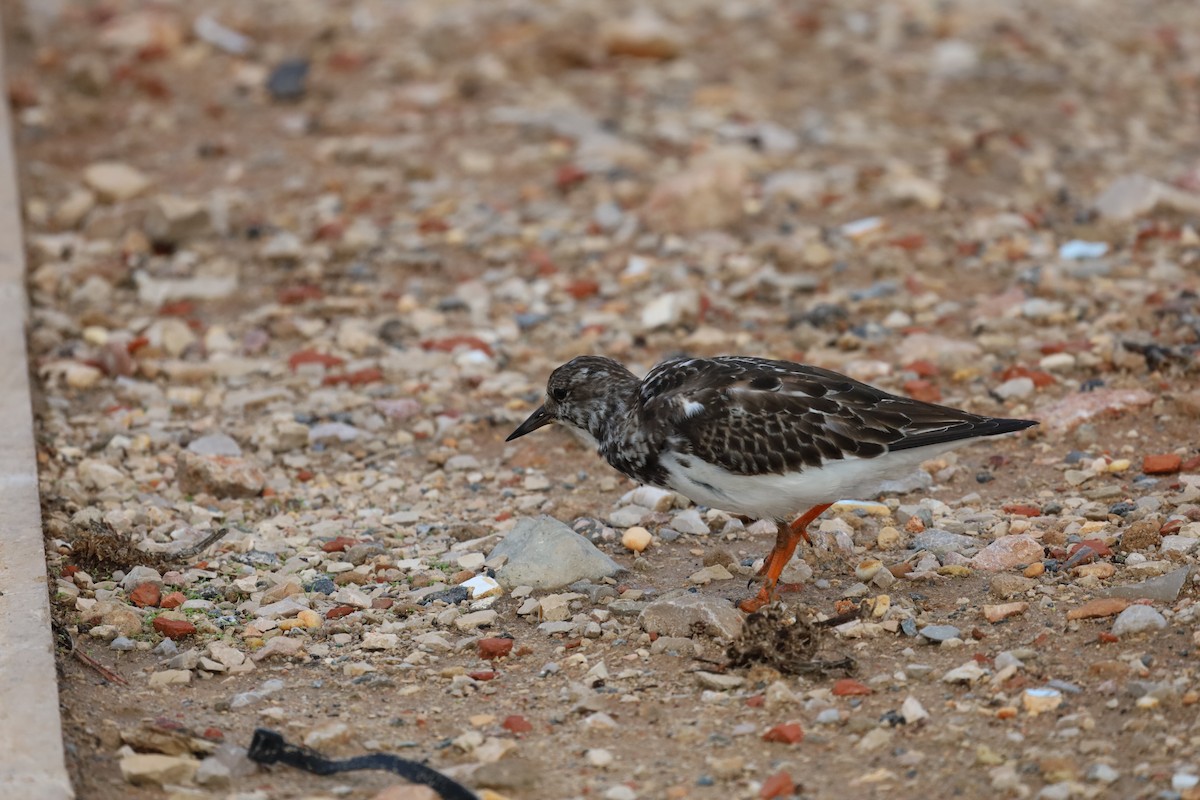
31, 744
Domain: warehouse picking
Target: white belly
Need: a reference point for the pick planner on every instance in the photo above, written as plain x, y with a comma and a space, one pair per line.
785, 496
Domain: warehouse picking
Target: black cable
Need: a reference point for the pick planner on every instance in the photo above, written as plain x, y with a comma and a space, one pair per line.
269, 747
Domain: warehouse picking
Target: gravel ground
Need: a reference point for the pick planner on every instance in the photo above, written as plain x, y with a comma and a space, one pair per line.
298, 268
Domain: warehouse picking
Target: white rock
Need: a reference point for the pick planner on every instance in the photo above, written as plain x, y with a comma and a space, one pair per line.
476, 619
98, 475
1138, 619
670, 309
174, 220
969, 672
1015, 388
912, 710
113, 181
650, 497
1178, 544
156, 769
716, 572
689, 521
482, 586
380, 641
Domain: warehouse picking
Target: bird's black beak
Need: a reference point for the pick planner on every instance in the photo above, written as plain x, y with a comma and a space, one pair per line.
537, 419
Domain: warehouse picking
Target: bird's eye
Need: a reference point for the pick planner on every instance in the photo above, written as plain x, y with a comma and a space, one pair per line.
558, 394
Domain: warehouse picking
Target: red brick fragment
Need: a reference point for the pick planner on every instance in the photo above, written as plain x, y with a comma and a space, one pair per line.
173, 600
337, 612
778, 785
516, 724
177, 308
357, 378
339, 544
923, 390
569, 176
1095, 545
173, 628
146, 596
1023, 510
295, 295
923, 368
313, 357
494, 647
786, 733
1171, 526
448, 344
1040, 378
848, 687
582, 288
1163, 464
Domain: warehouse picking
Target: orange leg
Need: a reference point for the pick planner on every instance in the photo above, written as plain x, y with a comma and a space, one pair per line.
780, 555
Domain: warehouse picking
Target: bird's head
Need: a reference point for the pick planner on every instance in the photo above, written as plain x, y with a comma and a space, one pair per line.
584, 394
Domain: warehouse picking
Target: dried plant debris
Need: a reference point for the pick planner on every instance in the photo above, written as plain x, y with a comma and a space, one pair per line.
99, 547
779, 637
68, 644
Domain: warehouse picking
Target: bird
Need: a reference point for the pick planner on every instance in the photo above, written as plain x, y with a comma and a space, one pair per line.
756, 437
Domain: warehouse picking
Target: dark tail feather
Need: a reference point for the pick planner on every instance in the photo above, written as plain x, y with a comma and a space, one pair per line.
980, 426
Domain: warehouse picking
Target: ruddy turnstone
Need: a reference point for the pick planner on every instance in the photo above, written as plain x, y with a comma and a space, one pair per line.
765, 439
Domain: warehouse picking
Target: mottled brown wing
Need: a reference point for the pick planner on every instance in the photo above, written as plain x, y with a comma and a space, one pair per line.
753, 416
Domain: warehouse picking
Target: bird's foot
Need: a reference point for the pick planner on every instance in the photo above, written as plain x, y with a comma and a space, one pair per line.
752, 604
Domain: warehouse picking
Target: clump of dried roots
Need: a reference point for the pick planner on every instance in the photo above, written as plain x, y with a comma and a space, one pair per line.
100, 548
787, 641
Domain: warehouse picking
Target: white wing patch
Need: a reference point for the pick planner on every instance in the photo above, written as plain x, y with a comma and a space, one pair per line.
691, 408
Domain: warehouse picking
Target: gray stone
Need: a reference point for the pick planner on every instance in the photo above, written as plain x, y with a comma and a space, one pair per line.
546, 554
718, 681
213, 774
919, 479
1138, 619
139, 575
1102, 773
287, 607
941, 633
333, 432
1007, 585
1008, 552
363, 552
174, 220
121, 643
627, 516
215, 444
941, 542
1179, 544
690, 521
1164, 588
679, 614
219, 476
627, 608
675, 646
